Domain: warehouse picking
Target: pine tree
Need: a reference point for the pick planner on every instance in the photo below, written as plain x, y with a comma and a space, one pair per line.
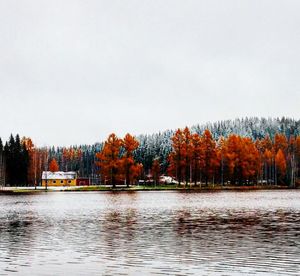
10, 165
16, 161
2, 165
1, 145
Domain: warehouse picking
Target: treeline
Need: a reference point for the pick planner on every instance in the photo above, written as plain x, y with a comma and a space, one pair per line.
2, 165
159, 145
198, 159
236, 160
23, 162
20, 162
16, 160
116, 163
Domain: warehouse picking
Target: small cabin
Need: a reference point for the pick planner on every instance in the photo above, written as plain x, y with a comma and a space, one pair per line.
59, 178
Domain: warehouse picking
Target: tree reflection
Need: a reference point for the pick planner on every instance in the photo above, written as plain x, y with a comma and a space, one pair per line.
17, 234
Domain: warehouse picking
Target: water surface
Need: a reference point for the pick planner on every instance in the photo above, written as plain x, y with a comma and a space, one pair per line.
160, 233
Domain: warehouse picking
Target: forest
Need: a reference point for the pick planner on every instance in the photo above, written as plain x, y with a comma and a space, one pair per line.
247, 151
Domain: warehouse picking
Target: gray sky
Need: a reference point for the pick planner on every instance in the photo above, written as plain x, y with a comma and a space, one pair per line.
73, 71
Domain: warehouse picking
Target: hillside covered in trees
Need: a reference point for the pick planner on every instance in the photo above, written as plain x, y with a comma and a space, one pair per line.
243, 150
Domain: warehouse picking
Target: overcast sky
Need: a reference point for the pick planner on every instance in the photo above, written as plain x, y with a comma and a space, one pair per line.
74, 71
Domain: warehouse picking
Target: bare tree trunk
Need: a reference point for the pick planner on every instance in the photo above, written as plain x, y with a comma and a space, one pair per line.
293, 170
2, 170
190, 174
222, 171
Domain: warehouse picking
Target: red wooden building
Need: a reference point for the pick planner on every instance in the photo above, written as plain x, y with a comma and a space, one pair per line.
82, 181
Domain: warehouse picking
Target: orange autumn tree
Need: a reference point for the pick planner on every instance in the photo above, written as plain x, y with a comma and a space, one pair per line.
109, 161
116, 160
31, 170
250, 160
177, 156
297, 142
280, 165
192, 154
280, 142
222, 153
268, 158
53, 166
70, 157
230, 149
155, 170
187, 147
130, 168
210, 156
180, 157
197, 157
136, 172
67, 155
37, 161
242, 159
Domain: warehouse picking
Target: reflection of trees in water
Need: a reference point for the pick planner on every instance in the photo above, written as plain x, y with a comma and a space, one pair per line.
119, 224
220, 236
119, 229
209, 224
17, 234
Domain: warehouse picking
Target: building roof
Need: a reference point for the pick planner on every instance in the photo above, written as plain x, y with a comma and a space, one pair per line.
58, 175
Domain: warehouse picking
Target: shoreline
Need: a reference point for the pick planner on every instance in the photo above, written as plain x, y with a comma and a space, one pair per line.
215, 188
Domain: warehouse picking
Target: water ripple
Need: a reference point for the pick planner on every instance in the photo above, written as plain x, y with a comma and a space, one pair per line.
159, 233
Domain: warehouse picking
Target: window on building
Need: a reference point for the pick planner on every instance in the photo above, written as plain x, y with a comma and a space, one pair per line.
54, 181
61, 181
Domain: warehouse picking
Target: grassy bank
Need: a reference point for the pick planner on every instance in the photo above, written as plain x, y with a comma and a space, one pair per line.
183, 188
131, 188
179, 188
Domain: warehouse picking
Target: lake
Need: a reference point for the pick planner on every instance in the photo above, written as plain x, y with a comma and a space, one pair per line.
157, 233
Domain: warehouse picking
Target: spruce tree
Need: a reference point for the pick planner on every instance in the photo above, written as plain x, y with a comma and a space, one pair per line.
8, 151
16, 161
